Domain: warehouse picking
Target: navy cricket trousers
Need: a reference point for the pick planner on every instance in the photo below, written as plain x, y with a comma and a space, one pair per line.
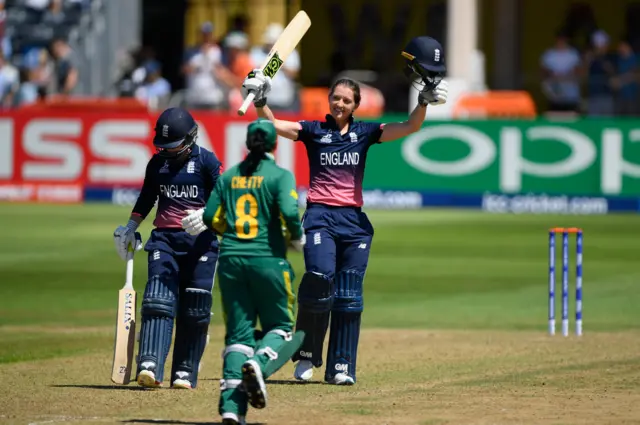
338, 239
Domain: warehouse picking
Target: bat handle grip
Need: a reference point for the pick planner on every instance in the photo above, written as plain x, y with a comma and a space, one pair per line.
245, 105
129, 272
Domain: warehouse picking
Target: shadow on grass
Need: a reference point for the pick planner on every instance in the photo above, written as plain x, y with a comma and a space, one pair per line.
102, 387
277, 381
168, 422
292, 382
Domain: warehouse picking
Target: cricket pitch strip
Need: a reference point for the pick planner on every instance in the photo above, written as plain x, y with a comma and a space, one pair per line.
419, 377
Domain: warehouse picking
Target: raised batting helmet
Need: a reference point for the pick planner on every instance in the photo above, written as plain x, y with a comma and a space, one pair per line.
425, 59
175, 127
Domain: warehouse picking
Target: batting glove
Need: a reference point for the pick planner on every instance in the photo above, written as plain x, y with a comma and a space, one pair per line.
192, 223
434, 96
259, 84
124, 236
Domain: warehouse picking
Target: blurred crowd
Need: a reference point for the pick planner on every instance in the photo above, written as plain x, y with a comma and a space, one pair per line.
599, 78
213, 72
603, 80
35, 57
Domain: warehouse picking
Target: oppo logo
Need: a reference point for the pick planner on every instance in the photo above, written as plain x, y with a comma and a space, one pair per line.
512, 165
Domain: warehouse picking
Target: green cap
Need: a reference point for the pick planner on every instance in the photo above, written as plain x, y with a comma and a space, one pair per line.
266, 127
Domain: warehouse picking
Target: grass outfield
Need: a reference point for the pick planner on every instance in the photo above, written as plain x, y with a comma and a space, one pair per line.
455, 306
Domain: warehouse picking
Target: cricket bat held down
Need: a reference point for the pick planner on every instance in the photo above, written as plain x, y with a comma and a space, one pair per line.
125, 339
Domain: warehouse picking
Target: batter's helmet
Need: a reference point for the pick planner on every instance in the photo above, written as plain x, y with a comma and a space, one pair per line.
424, 57
175, 127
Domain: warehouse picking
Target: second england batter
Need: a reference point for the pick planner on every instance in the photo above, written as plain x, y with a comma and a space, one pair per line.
338, 233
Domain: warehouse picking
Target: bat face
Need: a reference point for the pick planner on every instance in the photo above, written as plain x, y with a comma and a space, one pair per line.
287, 42
125, 337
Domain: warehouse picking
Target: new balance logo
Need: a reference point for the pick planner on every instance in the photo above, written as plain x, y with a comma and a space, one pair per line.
204, 259
362, 246
306, 354
165, 167
342, 367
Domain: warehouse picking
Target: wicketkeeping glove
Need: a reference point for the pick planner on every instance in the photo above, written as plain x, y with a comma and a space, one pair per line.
192, 223
434, 96
124, 236
259, 84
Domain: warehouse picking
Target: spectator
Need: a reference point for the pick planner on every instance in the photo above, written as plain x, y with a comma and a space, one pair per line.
134, 72
600, 71
156, 90
284, 92
560, 67
44, 71
239, 61
206, 38
237, 24
28, 92
9, 82
80, 4
66, 71
54, 16
207, 78
37, 5
5, 41
626, 80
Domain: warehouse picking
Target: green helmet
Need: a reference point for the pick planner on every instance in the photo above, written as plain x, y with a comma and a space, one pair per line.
265, 127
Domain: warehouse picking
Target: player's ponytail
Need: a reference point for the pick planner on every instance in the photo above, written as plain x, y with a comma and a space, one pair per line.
257, 145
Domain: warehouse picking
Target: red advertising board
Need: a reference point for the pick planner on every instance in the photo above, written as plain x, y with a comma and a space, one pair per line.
51, 156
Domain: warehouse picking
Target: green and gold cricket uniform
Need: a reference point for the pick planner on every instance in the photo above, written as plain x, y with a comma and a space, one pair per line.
255, 215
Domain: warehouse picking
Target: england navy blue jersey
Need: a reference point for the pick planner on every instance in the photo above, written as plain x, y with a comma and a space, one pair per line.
337, 161
177, 187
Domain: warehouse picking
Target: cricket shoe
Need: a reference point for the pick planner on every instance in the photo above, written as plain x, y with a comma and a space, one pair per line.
232, 419
304, 370
147, 375
254, 385
341, 379
182, 381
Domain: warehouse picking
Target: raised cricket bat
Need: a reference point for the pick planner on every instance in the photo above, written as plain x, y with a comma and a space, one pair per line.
125, 328
281, 50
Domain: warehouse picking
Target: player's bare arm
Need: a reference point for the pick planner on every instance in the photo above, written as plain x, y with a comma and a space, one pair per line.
424, 60
288, 129
397, 130
127, 235
428, 96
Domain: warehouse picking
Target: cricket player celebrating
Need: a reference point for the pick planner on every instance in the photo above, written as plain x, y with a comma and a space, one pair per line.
180, 176
249, 207
338, 233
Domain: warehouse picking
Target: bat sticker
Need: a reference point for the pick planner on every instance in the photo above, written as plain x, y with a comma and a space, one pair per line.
273, 66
